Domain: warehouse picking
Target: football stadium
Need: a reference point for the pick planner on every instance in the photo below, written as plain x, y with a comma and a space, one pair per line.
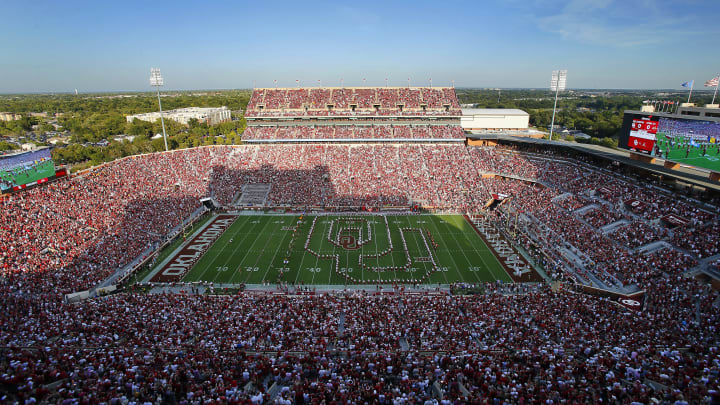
360, 247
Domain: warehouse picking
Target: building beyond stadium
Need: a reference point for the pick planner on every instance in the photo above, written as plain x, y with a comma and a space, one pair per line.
480, 119
210, 116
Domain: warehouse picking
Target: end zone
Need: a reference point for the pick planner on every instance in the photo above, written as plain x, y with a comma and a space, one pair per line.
183, 259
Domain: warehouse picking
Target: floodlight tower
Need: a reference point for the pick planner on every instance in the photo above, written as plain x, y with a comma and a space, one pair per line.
557, 83
156, 81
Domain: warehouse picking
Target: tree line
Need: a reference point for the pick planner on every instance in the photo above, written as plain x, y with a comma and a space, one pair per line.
179, 137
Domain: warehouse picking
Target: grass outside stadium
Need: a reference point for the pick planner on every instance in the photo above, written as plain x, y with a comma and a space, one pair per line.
335, 250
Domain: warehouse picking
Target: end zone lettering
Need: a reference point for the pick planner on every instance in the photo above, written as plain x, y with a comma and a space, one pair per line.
181, 263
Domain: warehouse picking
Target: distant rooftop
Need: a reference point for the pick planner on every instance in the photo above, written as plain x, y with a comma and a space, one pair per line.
493, 111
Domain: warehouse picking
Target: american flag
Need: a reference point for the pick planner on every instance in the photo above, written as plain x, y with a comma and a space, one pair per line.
712, 82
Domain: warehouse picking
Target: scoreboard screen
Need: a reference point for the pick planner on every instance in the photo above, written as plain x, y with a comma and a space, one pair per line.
642, 135
693, 142
22, 170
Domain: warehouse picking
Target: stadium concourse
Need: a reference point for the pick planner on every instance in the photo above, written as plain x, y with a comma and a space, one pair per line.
583, 219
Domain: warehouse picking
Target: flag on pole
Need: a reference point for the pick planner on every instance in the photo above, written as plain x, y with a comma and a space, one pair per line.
690, 85
713, 82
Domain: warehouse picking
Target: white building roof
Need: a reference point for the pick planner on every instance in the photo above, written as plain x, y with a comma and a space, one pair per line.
493, 111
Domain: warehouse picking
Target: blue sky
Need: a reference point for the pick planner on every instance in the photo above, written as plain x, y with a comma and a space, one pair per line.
107, 46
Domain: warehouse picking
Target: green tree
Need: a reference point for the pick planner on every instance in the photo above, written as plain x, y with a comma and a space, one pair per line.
8, 146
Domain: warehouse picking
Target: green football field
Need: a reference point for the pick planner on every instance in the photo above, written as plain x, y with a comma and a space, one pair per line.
342, 249
710, 161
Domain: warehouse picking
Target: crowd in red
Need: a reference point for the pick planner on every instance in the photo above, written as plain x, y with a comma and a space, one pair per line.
349, 101
342, 132
534, 345
119, 210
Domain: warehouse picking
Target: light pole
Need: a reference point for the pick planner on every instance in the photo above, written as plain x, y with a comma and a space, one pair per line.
557, 83
156, 80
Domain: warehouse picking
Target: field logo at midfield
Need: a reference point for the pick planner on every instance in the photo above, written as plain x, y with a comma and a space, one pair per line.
354, 232
341, 229
348, 242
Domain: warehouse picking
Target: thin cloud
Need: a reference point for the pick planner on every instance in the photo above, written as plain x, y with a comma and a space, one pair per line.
609, 23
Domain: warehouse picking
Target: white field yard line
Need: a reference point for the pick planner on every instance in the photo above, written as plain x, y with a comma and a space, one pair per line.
332, 262
305, 253
420, 248
317, 259
259, 256
467, 259
279, 246
377, 249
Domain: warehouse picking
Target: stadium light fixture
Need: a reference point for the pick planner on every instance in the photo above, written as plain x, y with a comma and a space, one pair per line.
557, 84
156, 80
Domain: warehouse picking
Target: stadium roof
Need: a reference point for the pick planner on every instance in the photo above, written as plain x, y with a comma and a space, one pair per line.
493, 111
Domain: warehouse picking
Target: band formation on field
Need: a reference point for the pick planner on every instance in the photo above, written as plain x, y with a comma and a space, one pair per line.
343, 250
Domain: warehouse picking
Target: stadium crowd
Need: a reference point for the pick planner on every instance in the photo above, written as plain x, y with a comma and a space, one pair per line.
153, 193
353, 102
542, 345
343, 132
523, 347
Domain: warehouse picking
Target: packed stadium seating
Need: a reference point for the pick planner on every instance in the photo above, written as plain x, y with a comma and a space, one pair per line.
110, 202
360, 348
585, 223
344, 132
349, 101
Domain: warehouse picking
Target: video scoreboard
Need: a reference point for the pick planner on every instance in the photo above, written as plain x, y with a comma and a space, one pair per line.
677, 138
643, 134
